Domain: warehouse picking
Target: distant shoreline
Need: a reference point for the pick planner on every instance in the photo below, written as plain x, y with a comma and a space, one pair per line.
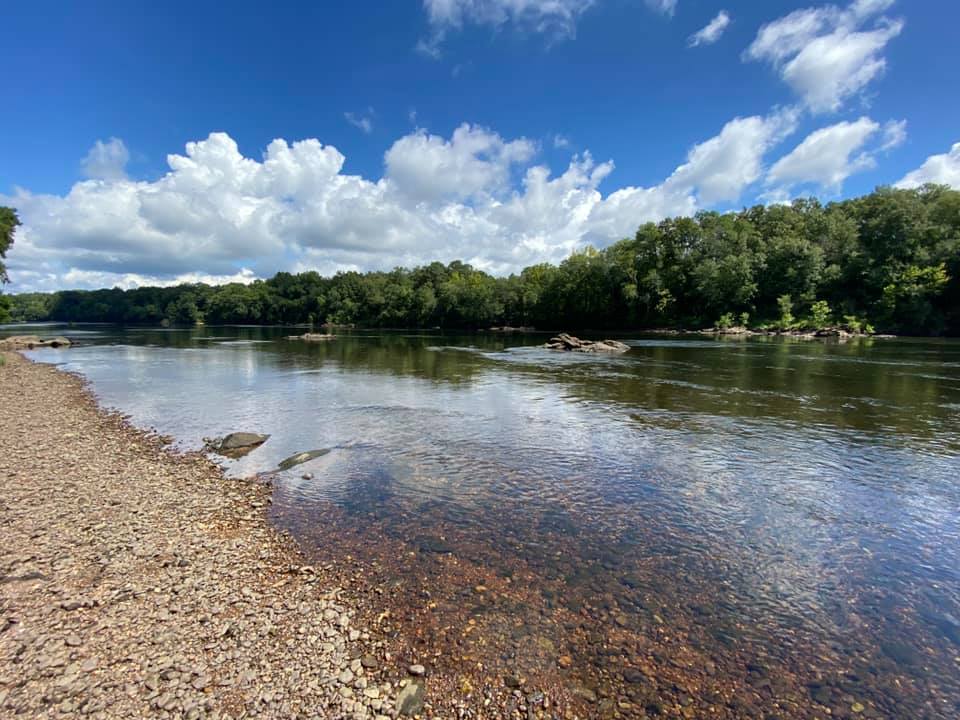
505, 330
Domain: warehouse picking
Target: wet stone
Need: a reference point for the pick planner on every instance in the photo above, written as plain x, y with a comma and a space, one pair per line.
411, 698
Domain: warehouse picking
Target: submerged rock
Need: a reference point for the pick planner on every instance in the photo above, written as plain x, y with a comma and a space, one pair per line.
236, 444
29, 342
410, 699
569, 343
301, 458
432, 544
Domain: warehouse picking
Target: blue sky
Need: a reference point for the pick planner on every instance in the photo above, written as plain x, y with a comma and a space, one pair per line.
502, 132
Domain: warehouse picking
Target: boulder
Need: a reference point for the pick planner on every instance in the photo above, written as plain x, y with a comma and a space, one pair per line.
569, 343
235, 444
301, 458
29, 342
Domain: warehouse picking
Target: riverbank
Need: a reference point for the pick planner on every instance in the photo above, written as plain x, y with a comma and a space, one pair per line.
139, 583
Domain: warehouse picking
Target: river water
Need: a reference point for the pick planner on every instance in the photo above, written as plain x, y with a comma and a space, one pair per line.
724, 527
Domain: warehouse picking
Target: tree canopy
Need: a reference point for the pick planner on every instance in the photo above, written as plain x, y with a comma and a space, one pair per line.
890, 259
8, 223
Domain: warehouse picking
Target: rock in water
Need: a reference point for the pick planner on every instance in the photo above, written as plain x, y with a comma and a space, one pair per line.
301, 458
607, 346
237, 440
236, 444
410, 699
312, 337
569, 343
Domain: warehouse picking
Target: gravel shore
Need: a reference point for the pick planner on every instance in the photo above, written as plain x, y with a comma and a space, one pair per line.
135, 582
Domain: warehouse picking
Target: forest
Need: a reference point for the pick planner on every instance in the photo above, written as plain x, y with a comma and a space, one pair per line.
888, 261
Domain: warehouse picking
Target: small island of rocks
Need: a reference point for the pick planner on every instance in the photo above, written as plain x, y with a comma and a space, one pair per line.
569, 343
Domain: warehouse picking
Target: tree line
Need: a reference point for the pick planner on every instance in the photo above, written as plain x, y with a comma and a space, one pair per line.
889, 260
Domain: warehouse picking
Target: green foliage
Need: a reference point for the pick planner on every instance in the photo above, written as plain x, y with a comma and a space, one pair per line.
820, 314
785, 306
8, 224
26, 307
856, 324
910, 294
725, 321
891, 259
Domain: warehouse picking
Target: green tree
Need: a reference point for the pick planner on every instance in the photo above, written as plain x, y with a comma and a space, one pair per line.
820, 314
785, 305
8, 225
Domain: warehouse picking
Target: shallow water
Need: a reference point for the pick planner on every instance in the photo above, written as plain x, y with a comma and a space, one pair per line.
730, 526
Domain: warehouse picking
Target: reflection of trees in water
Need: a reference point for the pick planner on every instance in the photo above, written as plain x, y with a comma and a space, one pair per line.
418, 356
910, 389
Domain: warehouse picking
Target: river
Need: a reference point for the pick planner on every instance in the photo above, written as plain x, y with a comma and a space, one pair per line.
739, 527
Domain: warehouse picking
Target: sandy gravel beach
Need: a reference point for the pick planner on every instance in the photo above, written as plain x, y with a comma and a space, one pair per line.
139, 583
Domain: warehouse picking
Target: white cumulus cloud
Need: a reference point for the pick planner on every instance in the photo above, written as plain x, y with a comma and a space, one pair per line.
828, 156
941, 169
723, 166
106, 160
473, 162
711, 32
218, 216
828, 54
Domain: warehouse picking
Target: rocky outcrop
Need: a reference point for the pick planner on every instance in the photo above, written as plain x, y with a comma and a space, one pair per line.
29, 342
569, 343
236, 444
511, 329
